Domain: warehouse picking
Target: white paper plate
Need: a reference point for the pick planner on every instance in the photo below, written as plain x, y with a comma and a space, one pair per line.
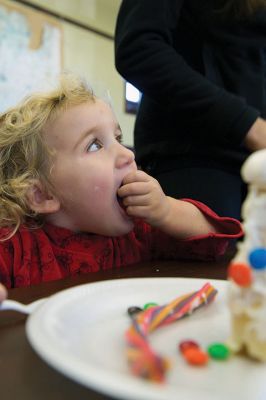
80, 332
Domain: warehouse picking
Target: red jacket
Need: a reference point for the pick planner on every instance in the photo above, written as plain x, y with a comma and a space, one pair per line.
50, 253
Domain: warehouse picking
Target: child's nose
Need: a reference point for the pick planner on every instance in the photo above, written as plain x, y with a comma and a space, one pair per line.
124, 156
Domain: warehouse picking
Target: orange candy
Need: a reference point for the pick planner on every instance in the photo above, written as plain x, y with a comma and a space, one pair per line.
195, 356
240, 273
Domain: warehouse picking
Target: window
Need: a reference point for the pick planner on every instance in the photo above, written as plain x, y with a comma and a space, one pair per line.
132, 97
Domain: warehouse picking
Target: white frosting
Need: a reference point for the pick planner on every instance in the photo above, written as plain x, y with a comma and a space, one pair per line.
254, 169
251, 302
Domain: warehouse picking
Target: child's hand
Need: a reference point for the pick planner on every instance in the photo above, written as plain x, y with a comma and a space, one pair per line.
144, 198
3, 293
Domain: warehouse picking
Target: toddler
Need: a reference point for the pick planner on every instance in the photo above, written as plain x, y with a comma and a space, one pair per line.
72, 200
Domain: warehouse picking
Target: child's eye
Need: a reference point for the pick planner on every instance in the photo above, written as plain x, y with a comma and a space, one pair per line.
94, 146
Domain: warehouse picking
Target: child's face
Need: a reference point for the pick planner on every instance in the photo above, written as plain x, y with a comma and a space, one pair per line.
89, 167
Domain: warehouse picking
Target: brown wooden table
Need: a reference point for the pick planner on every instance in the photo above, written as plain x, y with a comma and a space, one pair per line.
24, 376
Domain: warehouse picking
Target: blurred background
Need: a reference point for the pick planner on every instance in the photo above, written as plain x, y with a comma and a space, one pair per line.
39, 38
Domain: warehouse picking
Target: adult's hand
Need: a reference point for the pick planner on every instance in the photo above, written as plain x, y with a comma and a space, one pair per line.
3, 293
256, 136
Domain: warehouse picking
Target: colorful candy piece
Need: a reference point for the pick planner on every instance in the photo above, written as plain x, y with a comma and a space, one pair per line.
142, 360
133, 310
187, 344
218, 351
240, 273
257, 258
196, 356
148, 305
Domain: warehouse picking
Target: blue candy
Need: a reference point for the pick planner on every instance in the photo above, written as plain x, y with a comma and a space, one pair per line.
257, 258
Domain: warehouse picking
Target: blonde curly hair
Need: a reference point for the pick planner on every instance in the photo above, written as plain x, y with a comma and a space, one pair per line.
24, 156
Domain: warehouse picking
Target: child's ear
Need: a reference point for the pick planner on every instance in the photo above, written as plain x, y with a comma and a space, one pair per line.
40, 200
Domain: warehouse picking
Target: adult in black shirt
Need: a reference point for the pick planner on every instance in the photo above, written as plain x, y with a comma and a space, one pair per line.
201, 66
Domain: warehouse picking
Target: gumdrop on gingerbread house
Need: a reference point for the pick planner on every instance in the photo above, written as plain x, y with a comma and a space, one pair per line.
247, 271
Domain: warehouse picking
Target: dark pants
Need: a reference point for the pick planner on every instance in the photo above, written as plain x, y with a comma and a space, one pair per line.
222, 191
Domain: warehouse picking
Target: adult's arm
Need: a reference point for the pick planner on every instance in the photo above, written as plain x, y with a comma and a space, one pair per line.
145, 56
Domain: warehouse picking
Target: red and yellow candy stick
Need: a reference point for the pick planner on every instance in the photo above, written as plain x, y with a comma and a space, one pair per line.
142, 359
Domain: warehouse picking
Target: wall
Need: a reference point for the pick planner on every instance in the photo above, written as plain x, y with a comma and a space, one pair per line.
89, 53
99, 14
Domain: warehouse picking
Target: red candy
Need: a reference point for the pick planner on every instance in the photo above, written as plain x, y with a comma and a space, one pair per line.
192, 353
187, 344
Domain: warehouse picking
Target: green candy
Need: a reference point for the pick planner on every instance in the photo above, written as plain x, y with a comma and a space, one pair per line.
148, 305
218, 351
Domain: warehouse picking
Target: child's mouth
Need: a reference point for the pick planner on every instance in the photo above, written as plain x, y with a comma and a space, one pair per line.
120, 202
